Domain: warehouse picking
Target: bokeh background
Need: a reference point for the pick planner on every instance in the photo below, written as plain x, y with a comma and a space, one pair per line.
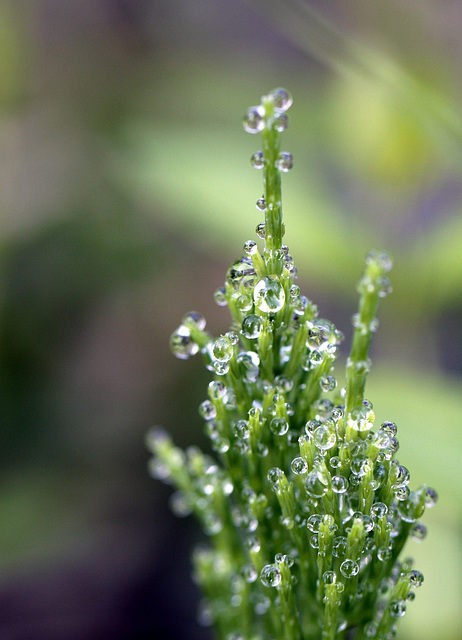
125, 192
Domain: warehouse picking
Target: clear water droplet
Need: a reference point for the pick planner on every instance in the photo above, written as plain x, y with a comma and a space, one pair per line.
339, 484
378, 510
431, 497
222, 349
416, 578
270, 576
249, 363
324, 438
281, 99
299, 466
251, 326
285, 162
316, 358
316, 484
250, 247
329, 577
384, 287
328, 383
196, 318
217, 390
273, 475
397, 608
279, 426
261, 204
260, 230
257, 160
281, 122
384, 554
349, 568
220, 297
269, 295
249, 573
181, 343
241, 429
207, 410
418, 531
339, 546
220, 368
254, 119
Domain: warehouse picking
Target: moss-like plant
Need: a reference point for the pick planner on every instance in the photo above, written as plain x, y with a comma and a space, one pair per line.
304, 503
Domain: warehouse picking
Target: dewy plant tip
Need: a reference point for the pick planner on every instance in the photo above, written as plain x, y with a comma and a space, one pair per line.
304, 503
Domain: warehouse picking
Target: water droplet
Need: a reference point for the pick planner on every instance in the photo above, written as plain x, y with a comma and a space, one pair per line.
416, 578
328, 383
220, 297
241, 429
249, 573
252, 326
315, 357
401, 476
254, 119
196, 318
384, 287
269, 295
261, 204
270, 576
281, 122
249, 364
316, 484
397, 608
431, 497
349, 568
222, 349
285, 162
360, 422
402, 493
418, 531
260, 230
378, 510
299, 466
339, 484
181, 343
207, 410
257, 160
241, 272
370, 629
250, 247
324, 439
205, 614
220, 368
339, 546
280, 98
279, 426
273, 475
329, 577
384, 554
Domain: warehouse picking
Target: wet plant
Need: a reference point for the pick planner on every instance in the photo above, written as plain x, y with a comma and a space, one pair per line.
304, 503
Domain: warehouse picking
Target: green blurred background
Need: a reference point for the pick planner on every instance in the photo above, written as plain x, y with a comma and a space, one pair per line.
126, 190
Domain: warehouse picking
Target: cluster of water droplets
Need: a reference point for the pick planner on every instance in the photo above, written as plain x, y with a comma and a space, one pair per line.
304, 491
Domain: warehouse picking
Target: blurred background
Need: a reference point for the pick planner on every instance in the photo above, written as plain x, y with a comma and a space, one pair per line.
125, 192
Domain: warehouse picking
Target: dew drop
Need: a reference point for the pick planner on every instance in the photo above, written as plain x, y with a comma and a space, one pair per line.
181, 343
323, 438
285, 162
378, 510
416, 578
339, 484
316, 357
220, 368
269, 295
418, 531
251, 326
260, 230
384, 554
339, 546
249, 573
384, 287
314, 522
217, 389
180, 505
220, 297
261, 204
431, 497
273, 475
270, 576
196, 318
241, 429
316, 484
254, 119
328, 383
397, 608
257, 160
249, 364
299, 466
279, 426
207, 410
280, 98
329, 577
349, 568
281, 122
222, 349
250, 247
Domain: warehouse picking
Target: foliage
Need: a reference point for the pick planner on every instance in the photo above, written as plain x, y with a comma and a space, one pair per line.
307, 509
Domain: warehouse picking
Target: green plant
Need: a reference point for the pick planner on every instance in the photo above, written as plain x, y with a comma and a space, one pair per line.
305, 505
